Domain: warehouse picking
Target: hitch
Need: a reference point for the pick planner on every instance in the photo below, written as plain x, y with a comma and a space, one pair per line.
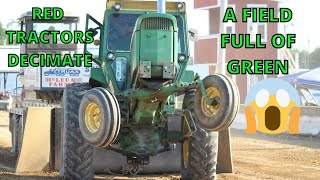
164, 92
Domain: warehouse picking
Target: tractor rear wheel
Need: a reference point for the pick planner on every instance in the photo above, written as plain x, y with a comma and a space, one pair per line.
219, 115
199, 152
77, 153
99, 117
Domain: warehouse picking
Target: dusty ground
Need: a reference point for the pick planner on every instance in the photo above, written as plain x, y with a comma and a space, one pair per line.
255, 157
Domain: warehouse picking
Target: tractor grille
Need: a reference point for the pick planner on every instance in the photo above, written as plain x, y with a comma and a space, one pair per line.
157, 23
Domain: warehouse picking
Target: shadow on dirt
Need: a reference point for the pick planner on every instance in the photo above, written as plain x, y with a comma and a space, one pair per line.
299, 140
40, 175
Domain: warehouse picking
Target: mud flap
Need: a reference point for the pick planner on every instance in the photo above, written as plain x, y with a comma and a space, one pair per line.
224, 164
35, 150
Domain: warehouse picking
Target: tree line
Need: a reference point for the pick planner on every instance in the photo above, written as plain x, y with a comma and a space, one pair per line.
12, 25
308, 60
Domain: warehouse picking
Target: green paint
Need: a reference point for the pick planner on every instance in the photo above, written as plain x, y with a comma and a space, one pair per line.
188, 76
258, 67
47, 13
234, 43
230, 15
13, 60
233, 68
147, 108
11, 36
67, 61
246, 13
259, 44
225, 39
97, 74
246, 67
66, 37
32, 63
263, 15
24, 60
285, 15
248, 43
33, 37
283, 67
278, 41
268, 66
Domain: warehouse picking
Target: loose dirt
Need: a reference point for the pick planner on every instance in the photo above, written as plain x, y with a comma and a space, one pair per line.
257, 156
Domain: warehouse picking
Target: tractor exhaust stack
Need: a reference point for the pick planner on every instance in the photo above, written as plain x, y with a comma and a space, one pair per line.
161, 6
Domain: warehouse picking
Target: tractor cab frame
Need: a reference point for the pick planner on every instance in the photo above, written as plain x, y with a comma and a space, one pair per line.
113, 52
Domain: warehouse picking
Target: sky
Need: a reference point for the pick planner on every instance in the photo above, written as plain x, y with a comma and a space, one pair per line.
71, 7
305, 22
305, 15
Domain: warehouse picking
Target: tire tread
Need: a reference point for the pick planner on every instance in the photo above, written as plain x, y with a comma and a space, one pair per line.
77, 153
202, 150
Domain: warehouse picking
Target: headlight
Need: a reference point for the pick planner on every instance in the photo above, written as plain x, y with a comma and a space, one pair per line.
179, 5
182, 58
110, 56
117, 6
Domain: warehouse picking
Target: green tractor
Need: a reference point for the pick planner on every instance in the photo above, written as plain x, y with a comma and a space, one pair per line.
142, 52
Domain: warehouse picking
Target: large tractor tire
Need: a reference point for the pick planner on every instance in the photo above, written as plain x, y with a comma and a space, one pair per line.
219, 115
99, 117
199, 152
77, 153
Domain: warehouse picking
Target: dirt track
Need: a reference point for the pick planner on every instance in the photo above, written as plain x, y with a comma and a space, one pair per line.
255, 157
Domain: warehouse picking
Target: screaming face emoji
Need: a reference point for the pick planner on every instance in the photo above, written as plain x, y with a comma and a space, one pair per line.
272, 106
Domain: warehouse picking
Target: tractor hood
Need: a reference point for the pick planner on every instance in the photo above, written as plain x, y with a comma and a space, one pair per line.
140, 25
155, 45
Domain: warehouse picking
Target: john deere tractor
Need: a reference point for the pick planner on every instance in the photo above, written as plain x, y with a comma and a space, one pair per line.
142, 53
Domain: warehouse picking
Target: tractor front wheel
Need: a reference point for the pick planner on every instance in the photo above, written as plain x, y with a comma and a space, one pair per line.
199, 152
99, 117
219, 115
77, 153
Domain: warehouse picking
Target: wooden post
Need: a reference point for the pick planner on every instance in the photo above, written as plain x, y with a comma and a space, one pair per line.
225, 164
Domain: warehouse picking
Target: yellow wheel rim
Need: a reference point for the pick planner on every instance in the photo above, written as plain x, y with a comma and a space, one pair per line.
92, 117
210, 110
185, 146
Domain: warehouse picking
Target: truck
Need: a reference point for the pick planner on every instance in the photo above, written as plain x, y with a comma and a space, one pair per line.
5, 100
42, 86
126, 119
6, 94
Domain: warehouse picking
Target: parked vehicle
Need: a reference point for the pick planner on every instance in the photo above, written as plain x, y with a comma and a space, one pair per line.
5, 100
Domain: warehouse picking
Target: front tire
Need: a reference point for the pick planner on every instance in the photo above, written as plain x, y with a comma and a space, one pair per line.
199, 152
99, 117
219, 115
77, 153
